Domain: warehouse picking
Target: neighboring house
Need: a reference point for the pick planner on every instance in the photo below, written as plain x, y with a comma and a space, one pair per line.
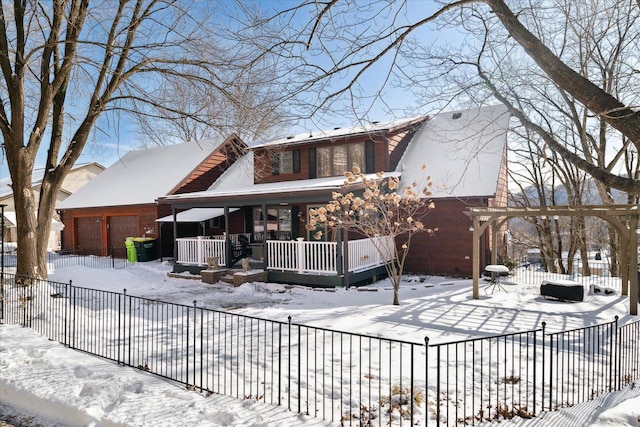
121, 202
78, 177
465, 153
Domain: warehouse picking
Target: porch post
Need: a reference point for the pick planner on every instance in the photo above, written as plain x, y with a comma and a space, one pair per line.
265, 251
476, 258
624, 263
633, 266
175, 234
494, 237
342, 260
227, 238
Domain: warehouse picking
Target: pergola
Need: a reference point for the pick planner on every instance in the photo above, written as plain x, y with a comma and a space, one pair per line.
623, 217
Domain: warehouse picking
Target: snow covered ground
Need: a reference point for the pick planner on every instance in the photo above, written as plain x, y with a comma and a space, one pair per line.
59, 386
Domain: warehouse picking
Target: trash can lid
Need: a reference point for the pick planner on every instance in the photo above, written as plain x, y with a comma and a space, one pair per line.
142, 239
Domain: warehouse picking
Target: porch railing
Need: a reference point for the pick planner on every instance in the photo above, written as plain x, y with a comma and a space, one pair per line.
302, 256
232, 237
321, 257
196, 250
364, 255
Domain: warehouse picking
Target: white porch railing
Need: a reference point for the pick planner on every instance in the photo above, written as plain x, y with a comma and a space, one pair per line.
293, 255
196, 250
232, 237
302, 256
320, 257
364, 255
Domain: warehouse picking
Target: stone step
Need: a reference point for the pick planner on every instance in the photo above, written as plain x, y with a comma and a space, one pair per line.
227, 279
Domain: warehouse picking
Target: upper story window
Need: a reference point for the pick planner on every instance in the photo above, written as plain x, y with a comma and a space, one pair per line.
285, 162
335, 160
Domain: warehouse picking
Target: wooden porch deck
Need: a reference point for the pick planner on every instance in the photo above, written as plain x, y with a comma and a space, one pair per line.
320, 264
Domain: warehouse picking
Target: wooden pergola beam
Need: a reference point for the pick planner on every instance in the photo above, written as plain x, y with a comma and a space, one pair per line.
484, 217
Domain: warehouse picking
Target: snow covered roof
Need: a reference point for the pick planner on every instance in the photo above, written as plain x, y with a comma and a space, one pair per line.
285, 188
463, 151
374, 127
141, 176
195, 215
11, 221
36, 178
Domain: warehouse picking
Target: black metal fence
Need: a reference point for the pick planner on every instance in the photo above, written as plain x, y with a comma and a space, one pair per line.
599, 274
94, 258
337, 376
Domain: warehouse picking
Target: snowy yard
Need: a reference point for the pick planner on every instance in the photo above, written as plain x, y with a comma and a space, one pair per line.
34, 370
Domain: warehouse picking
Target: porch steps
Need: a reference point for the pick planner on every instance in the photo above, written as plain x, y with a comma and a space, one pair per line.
227, 279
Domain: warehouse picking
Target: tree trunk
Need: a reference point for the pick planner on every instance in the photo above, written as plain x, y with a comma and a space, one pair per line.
46, 208
24, 201
396, 291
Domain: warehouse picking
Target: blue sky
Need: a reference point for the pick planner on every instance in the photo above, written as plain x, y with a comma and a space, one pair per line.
119, 137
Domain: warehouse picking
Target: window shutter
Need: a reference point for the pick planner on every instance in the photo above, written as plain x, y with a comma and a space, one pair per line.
369, 159
296, 161
275, 164
312, 163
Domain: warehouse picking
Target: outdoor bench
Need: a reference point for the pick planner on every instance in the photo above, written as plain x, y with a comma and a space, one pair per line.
566, 290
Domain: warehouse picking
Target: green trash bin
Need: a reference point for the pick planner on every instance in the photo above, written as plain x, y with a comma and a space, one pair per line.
131, 249
146, 248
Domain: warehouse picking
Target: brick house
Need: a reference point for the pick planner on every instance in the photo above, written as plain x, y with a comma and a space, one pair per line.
266, 195
121, 202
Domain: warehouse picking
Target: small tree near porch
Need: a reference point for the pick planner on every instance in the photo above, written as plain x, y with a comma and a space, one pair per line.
382, 209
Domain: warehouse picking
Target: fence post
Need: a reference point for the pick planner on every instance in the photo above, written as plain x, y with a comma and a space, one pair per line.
113, 261
612, 357
66, 313
411, 381
129, 331
201, 349
550, 372
299, 370
187, 350
289, 368
279, 364
195, 314
119, 326
426, 378
72, 337
438, 385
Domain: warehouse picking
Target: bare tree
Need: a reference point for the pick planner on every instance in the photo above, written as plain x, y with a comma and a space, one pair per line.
386, 213
346, 45
69, 67
251, 107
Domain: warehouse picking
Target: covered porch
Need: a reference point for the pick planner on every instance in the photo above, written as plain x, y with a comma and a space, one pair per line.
294, 261
269, 226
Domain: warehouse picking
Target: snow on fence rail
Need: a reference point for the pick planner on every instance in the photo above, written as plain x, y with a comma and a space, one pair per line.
342, 377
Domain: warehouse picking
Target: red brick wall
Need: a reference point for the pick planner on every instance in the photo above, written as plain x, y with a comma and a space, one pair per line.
449, 251
262, 160
144, 216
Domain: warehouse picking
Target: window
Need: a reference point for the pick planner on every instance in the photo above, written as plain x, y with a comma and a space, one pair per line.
278, 223
285, 162
338, 159
323, 157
